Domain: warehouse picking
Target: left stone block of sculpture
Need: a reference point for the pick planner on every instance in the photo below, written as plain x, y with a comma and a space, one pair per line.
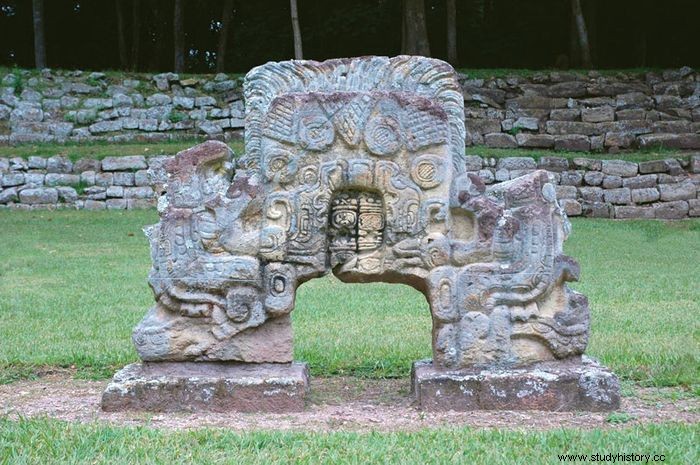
207, 278
208, 284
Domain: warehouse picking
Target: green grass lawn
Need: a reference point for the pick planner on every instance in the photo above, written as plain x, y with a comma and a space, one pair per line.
102, 149
73, 284
116, 76
487, 73
48, 441
652, 153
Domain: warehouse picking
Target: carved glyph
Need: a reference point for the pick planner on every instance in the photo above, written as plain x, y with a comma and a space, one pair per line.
356, 167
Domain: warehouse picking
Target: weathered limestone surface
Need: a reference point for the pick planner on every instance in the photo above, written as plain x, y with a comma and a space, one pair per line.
217, 387
357, 167
570, 385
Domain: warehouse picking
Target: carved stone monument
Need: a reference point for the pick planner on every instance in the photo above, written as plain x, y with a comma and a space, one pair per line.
357, 167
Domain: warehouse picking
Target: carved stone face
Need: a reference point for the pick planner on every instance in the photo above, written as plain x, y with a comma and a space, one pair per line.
505, 244
344, 219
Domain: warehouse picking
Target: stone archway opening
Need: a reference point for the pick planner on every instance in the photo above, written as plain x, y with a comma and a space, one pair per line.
366, 329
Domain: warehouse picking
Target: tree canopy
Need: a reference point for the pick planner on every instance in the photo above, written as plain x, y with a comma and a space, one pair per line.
152, 35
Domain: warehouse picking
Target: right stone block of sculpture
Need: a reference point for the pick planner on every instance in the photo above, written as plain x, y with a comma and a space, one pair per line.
508, 333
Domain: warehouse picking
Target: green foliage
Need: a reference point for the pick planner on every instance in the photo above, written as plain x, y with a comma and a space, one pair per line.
94, 82
80, 187
641, 294
176, 116
87, 117
10, 374
659, 149
102, 149
487, 73
18, 83
637, 156
29, 441
145, 87
617, 418
91, 117
73, 285
99, 107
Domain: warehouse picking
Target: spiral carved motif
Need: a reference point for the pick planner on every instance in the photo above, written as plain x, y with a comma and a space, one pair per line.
315, 132
427, 171
383, 135
280, 166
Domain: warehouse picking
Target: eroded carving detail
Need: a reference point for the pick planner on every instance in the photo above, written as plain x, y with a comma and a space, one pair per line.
356, 167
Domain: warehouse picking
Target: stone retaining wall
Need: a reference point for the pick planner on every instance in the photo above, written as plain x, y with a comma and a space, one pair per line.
665, 189
565, 111
113, 183
550, 110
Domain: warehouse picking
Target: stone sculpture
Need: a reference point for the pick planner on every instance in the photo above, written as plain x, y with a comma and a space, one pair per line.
356, 167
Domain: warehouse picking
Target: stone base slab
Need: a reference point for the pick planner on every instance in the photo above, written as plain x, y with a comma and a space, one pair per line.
208, 386
577, 384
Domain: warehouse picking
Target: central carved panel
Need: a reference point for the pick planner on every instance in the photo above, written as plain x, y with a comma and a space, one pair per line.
356, 225
357, 167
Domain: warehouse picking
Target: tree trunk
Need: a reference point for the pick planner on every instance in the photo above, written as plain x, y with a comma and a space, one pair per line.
415, 31
39, 39
582, 33
574, 50
226, 16
404, 39
178, 37
452, 32
642, 33
123, 57
298, 53
159, 49
135, 35
590, 16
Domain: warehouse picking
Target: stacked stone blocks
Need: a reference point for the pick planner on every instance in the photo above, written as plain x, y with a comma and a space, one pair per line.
575, 112
663, 189
114, 183
549, 110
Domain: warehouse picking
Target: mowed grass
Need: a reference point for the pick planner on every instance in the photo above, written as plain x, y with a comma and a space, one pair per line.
642, 279
487, 73
50, 441
101, 149
649, 154
73, 285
